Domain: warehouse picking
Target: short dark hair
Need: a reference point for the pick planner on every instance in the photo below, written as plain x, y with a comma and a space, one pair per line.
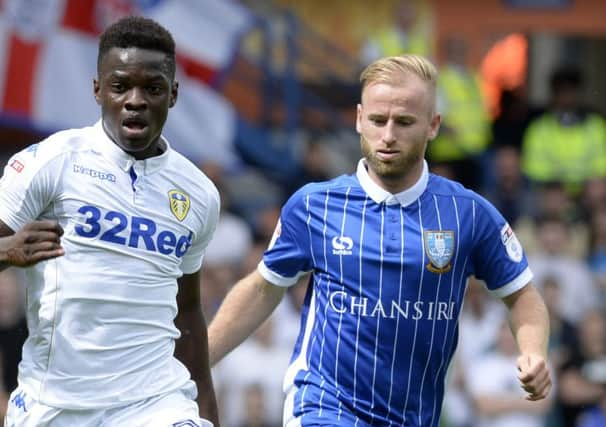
566, 76
140, 32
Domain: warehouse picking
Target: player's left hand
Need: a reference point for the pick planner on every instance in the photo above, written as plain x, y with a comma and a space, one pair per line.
534, 376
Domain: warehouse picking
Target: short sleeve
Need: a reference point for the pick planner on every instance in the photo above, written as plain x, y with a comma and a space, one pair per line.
288, 256
27, 187
498, 256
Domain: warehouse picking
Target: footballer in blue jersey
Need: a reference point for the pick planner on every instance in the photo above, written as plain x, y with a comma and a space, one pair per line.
389, 249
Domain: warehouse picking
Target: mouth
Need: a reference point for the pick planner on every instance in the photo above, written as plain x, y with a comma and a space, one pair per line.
134, 125
387, 155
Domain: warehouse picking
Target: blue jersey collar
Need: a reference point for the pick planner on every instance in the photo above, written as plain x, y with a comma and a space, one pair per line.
379, 195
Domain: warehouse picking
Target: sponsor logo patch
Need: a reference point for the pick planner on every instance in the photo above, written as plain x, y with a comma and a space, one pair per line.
179, 204
342, 245
17, 165
511, 243
439, 247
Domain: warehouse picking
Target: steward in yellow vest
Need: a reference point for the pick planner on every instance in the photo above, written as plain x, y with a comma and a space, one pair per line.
567, 143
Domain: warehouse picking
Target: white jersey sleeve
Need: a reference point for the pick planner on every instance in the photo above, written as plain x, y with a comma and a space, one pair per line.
28, 186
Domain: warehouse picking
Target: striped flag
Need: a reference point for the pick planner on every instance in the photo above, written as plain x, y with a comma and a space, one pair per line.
48, 55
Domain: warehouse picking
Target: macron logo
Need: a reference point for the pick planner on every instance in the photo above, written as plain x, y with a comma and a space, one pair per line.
342, 245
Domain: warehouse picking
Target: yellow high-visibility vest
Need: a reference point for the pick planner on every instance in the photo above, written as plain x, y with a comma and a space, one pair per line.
392, 42
570, 154
464, 113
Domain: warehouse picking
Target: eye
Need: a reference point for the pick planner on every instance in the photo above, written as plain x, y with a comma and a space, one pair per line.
405, 121
378, 121
118, 87
154, 90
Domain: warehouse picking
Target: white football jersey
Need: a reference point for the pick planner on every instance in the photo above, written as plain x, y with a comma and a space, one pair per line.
101, 318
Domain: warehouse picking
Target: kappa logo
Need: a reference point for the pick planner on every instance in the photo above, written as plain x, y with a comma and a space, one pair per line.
19, 401
103, 176
179, 204
439, 247
342, 245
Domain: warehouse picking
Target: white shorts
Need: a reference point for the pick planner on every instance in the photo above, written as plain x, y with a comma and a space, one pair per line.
176, 409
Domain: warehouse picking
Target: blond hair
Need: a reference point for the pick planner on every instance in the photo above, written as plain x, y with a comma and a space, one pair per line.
392, 69
388, 69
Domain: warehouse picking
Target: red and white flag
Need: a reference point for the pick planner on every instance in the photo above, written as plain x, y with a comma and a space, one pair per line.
48, 58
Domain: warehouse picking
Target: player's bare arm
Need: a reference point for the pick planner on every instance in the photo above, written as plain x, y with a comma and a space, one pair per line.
245, 307
530, 325
36, 241
192, 348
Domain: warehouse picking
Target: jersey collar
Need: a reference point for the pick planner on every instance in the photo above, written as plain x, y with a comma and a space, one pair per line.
379, 195
109, 149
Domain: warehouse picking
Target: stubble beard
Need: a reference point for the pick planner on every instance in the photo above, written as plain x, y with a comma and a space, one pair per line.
390, 171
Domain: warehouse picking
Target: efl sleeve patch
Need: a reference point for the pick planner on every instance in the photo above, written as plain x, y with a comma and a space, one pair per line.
511, 243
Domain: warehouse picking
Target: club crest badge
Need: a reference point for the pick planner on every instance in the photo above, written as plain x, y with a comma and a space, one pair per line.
179, 204
439, 247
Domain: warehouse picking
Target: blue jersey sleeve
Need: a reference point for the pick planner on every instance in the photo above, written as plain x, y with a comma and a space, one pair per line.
498, 256
288, 256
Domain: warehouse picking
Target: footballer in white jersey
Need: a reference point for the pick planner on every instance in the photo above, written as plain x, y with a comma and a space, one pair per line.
105, 318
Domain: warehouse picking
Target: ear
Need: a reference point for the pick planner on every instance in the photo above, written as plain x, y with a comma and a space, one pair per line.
359, 119
96, 91
434, 126
174, 93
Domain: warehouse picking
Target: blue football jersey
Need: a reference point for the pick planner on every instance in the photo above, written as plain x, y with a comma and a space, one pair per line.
389, 273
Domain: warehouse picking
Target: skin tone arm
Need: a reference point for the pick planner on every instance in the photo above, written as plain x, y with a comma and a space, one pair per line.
36, 241
529, 323
192, 348
245, 307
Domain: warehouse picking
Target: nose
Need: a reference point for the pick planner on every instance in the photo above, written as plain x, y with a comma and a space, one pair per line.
136, 99
388, 133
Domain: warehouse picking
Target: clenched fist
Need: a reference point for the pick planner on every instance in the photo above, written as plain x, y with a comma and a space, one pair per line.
36, 241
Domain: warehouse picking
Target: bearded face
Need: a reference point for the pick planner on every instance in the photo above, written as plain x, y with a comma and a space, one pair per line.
395, 122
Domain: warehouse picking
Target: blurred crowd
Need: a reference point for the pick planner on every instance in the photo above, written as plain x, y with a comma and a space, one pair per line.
543, 167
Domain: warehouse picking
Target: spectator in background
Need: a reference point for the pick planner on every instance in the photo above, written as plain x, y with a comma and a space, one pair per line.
465, 130
568, 142
511, 192
515, 114
552, 259
593, 197
495, 392
222, 260
259, 362
255, 408
480, 320
551, 200
410, 32
597, 250
479, 324
582, 378
504, 69
562, 338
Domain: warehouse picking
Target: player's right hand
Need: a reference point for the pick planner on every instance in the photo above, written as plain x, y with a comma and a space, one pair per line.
36, 241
